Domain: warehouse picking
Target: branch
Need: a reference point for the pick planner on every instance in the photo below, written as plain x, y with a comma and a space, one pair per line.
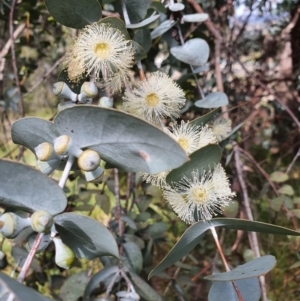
13, 57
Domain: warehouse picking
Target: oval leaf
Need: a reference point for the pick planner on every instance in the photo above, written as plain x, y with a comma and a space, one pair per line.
254, 268
287, 190
32, 131
34, 190
194, 52
75, 14
125, 141
102, 277
116, 23
249, 289
213, 100
85, 236
139, 52
162, 28
192, 236
195, 18
134, 257
203, 159
279, 176
19, 291
205, 118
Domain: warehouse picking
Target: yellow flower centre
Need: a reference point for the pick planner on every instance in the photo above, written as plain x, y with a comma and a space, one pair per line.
102, 50
152, 100
199, 195
184, 143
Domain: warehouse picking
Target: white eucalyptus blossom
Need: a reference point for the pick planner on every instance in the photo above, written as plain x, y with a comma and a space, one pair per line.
158, 179
222, 127
206, 136
155, 98
201, 197
100, 50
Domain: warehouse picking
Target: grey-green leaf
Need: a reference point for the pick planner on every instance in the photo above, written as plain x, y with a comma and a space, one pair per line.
205, 118
254, 268
249, 289
193, 235
134, 257
23, 187
203, 159
137, 9
213, 100
144, 289
139, 52
142, 37
19, 291
194, 52
162, 28
195, 18
32, 131
102, 277
144, 23
85, 236
125, 141
73, 13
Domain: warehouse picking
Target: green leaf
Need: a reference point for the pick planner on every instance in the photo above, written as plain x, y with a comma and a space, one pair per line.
162, 28
19, 291
125, 141
85, 236
203, 159
287, 190
139, 52
142, 37
279, 177
134, 257
144, 23
213, 100
137, 9
254, 268
194, 52
157, 230
32, 131
158, 6
143, 288
74, 13
23, 187
249, 289
205, 118
193, 235
277, 202
103, 277
73, 288
116, 23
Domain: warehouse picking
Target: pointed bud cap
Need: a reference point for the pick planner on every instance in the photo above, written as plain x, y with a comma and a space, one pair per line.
41, 221
64, 256
89, 160
61, 89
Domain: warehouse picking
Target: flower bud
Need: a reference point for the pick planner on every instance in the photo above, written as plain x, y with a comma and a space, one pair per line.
63, 145
88, 90
95, 175
105, 102
12, 224
88, 160
64, 256
61, 89
45, 152
41, 221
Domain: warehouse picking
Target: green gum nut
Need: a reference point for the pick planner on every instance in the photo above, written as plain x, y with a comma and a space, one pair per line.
61, 89
12, 224
88, 160
64, 145
64, 256
41, 221
88, 90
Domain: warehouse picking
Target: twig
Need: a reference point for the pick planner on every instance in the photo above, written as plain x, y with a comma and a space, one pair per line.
13, 57
293, 162
246, 202
44, 76
118, 206
109, 288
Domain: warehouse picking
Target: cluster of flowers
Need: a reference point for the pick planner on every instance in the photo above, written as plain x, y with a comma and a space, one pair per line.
103, 50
